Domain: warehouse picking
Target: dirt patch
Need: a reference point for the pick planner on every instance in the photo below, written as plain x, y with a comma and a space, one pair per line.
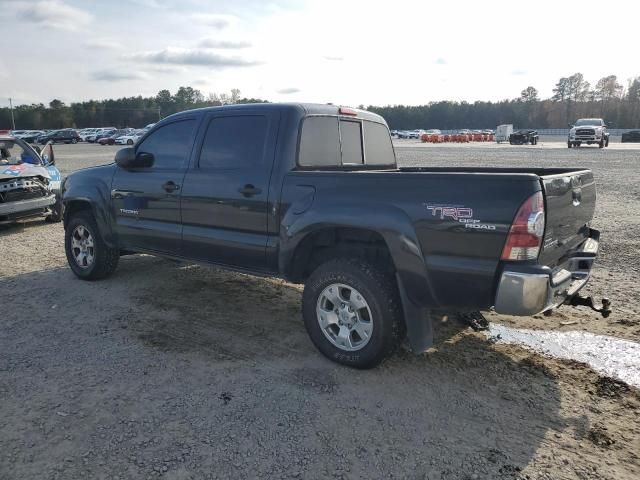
611, 387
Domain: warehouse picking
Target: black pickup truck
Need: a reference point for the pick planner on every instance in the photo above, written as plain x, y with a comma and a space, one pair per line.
312, 193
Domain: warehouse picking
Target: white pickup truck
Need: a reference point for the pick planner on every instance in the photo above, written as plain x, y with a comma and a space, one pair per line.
589, 131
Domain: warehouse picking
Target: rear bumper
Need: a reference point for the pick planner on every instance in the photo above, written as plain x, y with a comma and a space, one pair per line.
529, 290
26, 205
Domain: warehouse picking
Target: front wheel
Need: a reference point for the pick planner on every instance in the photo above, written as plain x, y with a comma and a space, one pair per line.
87, 254
601, 144
606, 142
74, 141
352, 312
129, 142
569, 145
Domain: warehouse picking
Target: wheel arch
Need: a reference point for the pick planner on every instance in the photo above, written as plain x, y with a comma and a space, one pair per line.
385, 234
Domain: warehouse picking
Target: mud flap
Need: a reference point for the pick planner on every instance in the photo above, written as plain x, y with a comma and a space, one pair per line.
418, 320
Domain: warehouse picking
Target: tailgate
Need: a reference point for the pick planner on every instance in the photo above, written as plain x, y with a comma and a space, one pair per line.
570, 202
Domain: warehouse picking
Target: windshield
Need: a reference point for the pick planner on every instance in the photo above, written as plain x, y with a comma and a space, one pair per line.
12, 153
589, 121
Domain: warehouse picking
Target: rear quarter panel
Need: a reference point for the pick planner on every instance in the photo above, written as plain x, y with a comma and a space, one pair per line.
445, 231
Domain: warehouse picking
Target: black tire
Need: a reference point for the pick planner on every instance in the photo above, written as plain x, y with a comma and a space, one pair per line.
105, 258
380, 292
569, 144
606, 142
56, 212
129, 142
601, 144
74, 141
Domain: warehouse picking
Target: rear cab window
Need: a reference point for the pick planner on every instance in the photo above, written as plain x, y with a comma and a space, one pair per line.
332, 141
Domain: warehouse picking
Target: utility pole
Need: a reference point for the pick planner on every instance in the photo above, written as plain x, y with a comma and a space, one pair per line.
13, 122
159, 116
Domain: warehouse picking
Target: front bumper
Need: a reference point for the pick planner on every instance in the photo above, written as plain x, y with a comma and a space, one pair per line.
529, 290
27, 205
586, 138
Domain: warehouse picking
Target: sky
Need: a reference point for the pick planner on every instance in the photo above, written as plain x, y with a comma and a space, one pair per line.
347, 52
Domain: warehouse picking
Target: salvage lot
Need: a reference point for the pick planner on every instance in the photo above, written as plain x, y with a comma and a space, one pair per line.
180, 371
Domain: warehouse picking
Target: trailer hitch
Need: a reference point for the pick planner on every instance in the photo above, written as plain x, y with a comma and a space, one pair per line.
578, 301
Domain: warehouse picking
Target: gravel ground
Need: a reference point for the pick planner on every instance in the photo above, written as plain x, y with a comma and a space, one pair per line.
175, 371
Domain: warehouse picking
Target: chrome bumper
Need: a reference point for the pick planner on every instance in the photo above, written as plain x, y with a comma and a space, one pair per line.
26, 205
525, 293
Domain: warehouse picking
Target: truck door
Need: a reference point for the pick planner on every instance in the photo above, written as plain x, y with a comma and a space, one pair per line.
146, 201
226, 190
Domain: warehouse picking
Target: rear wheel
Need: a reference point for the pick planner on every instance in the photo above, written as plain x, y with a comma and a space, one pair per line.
129, 142
87, 254
352, 312
74, 141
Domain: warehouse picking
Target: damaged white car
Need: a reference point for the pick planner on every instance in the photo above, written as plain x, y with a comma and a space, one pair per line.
29, 182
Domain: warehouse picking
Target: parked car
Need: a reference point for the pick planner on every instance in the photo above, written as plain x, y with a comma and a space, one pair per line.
111, 139
590, 131
632, 136
313, 194
464, 131
66, 135
29, 182
130, 138
86, 132
29, 136
524, 137
99, 133
408, 134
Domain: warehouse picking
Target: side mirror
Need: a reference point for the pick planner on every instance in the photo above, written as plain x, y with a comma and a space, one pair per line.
47, 154
570, 125
126, 158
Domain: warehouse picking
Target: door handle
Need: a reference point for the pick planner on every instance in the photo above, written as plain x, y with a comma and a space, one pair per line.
249, 190
120, 194
170, 186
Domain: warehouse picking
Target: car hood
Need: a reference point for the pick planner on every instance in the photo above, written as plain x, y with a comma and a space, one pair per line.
23, 170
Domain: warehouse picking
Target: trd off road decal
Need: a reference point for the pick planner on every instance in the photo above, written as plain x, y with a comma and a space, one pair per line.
459, 214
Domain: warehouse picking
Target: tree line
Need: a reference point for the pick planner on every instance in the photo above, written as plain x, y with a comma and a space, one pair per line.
573, 97
133, 112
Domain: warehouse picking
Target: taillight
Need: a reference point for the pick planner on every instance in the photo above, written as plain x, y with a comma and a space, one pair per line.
525, 236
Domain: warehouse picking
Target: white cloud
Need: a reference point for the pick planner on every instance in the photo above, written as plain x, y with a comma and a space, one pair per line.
117, 75
215, 20
223, 44
288, 91
103, 44
55, 14
440, 61
191, 56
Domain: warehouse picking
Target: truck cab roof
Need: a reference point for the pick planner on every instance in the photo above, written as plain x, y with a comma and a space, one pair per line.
303, 109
